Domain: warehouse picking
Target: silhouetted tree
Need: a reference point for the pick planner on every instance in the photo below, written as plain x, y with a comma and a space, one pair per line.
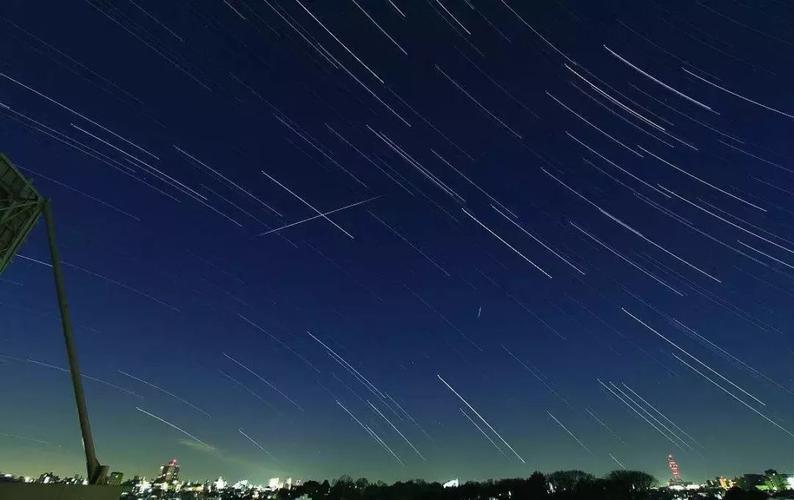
737, 493
343, 489
628, 484
567, 480
633, 479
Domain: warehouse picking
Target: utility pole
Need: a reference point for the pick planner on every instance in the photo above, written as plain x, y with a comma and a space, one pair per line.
96, 472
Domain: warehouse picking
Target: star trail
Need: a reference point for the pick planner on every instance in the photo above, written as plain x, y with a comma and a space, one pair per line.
403, 238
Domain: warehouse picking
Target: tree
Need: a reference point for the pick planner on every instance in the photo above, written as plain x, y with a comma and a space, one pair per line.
533, 488
344, 489
567, 480
737, 493
633, 480
773, 482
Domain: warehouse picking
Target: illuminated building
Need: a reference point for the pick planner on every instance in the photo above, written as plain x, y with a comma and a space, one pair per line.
116, 478
220, 484
674, 470
725, 483
453, 483
48, 477
143, 487
169, 472
241, 485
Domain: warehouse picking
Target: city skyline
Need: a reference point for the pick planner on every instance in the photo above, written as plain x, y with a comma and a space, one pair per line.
400, 240
168, 477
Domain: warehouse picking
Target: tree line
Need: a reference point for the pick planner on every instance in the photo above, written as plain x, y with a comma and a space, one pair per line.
561, 485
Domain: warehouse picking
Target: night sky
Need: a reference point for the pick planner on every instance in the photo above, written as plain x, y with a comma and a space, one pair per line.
576, 216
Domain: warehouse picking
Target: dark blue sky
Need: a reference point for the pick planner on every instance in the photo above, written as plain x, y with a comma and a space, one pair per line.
546, 179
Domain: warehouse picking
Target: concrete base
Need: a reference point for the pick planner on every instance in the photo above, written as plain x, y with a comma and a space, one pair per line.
34, 491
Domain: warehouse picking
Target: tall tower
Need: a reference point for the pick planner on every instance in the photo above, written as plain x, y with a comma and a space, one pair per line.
674, 470
169, 472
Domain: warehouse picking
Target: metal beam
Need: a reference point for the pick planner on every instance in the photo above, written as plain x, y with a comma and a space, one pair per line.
96, 471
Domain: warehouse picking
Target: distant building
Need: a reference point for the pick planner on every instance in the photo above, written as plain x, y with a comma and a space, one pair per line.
241, 485
220, 484
47, 478
195, 487
142, 487
169, 472
675, 471
116, 478
453, 483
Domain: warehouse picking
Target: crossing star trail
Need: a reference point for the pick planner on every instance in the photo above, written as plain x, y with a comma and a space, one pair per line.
285, 188
199, 160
